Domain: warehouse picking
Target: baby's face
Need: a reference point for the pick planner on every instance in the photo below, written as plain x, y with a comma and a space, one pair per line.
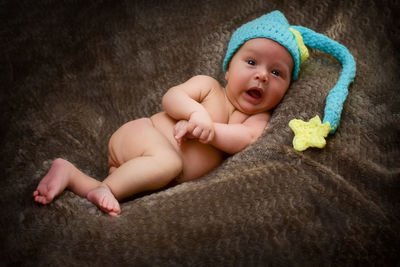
259, 75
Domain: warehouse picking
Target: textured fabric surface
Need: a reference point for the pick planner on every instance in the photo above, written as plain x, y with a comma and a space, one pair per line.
72, 72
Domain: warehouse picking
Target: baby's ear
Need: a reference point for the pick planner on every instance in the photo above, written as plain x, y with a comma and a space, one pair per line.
227, 75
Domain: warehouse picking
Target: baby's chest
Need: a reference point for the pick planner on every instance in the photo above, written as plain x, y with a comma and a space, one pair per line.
222, 111
217, 109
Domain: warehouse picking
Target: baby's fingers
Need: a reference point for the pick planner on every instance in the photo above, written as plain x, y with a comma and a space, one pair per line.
204, 136
207, 136
197, 132
180, 139
210, 137
180, 131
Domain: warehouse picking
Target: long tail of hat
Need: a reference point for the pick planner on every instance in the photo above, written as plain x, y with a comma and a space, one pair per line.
313, 133
338, 94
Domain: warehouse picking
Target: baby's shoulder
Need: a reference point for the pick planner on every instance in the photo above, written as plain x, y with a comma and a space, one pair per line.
206, 81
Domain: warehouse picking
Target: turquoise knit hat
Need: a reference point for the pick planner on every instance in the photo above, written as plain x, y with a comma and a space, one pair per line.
275, 26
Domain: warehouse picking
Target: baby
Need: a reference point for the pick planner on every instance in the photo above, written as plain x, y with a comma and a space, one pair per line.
202, 121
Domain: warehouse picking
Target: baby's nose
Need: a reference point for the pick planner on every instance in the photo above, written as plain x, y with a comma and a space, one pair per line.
262, 76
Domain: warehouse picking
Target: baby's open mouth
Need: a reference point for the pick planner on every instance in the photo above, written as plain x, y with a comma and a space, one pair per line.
255, 93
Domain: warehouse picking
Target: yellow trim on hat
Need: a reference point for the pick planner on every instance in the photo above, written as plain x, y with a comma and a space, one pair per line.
302, 48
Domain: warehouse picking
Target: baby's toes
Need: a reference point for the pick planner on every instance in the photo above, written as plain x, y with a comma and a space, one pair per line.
115, 211
104, 203
41, 199
112, 213
109, 206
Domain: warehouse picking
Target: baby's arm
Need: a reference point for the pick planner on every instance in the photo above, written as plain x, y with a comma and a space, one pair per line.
183, 102
233, 138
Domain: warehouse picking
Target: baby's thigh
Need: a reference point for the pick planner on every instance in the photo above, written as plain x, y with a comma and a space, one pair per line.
198, 159
138, 138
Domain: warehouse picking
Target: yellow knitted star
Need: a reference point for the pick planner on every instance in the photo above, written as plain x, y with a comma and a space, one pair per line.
309, 134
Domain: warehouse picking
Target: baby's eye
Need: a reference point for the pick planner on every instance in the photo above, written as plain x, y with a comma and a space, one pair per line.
251, 62
275, 72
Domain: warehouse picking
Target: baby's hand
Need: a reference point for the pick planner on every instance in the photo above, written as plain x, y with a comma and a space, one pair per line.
181, 131
201, 126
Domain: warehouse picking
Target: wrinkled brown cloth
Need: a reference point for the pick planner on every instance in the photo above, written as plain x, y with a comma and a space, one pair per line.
72, 72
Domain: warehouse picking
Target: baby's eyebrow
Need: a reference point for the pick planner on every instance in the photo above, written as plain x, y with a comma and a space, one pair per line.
252, 50
281, 65
249, 51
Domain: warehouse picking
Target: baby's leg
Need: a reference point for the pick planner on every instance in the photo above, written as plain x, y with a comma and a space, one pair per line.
61, 175
150, 161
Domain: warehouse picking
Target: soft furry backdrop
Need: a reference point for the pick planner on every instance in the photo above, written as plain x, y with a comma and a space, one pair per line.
73, 71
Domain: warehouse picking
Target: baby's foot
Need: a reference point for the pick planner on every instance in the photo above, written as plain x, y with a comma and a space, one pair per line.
103, 198
53, 183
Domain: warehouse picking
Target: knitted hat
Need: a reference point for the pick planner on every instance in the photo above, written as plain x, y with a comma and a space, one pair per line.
274, 26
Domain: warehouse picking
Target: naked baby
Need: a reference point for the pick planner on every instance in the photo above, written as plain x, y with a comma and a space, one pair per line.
202, 121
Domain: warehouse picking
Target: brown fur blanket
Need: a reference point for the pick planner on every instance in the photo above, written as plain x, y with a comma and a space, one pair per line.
72, 72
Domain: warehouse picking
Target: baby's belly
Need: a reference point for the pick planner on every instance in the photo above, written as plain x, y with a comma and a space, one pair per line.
198, 158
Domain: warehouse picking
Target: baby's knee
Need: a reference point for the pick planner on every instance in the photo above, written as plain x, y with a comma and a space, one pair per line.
172, 162
177, 162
